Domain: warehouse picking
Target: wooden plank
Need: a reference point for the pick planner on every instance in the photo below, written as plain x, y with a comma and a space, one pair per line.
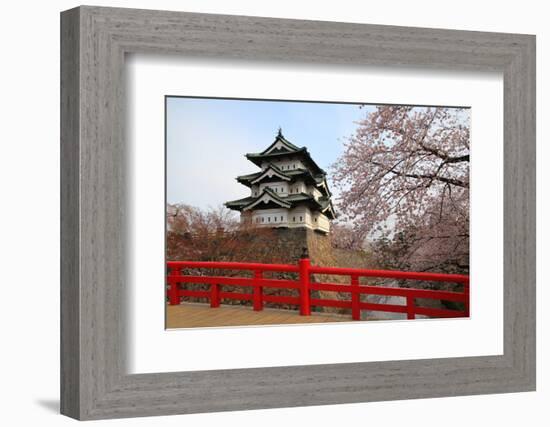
201, 315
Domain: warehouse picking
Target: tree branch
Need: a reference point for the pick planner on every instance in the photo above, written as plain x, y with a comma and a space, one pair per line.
451, 181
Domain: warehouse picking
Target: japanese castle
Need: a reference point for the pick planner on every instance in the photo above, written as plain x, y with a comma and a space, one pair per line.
289, 191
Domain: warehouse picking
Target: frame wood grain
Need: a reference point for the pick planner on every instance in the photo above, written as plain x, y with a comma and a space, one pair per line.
94, 41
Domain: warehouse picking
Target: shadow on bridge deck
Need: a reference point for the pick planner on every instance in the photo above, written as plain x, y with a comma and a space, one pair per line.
194, 315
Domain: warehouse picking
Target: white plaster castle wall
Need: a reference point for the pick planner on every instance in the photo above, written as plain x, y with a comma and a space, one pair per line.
300, 215
322, 223
298, 187
292, 218
314, 192
279, 187
270, 217
284, 189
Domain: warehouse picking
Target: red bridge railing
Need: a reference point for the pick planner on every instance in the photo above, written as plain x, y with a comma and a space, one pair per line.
304, 286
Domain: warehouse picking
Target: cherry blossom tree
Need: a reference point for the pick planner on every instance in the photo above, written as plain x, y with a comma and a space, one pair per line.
343, 236
404, 185
215, 234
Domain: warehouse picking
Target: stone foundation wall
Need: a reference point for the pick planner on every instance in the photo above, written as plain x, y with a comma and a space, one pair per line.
289, 243
292, 242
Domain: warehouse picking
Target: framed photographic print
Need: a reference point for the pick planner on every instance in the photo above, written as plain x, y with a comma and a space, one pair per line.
401, 205
276, 213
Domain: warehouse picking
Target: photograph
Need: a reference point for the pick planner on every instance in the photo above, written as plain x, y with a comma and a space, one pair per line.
291, 212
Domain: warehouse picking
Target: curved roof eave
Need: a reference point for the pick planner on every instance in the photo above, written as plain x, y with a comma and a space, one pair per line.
272, 197
276, 171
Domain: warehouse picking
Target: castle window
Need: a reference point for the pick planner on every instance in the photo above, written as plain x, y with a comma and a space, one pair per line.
293, 219
294, 166
268, 219
274, 219
262, 219
281, 217
300, 219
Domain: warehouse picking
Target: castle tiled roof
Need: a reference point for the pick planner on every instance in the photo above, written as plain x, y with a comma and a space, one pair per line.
268, 198
287, 175
281, 147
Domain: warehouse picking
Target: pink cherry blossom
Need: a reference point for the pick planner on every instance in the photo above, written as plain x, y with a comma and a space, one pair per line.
404, 186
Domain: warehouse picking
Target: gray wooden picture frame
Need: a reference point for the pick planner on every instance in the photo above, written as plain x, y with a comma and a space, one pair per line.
94, 41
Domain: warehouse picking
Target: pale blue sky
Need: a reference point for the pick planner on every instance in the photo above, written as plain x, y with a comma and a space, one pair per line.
207, 139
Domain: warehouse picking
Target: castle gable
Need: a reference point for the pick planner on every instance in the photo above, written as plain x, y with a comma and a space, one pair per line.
267, 197
271, 172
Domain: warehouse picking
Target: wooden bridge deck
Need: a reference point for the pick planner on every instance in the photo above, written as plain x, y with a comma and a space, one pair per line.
194, 315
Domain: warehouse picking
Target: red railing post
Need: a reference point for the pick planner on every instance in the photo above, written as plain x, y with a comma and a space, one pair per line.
467, 298
258, 291
174, 287
214, 295
410, 307
305, 305
355, 295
